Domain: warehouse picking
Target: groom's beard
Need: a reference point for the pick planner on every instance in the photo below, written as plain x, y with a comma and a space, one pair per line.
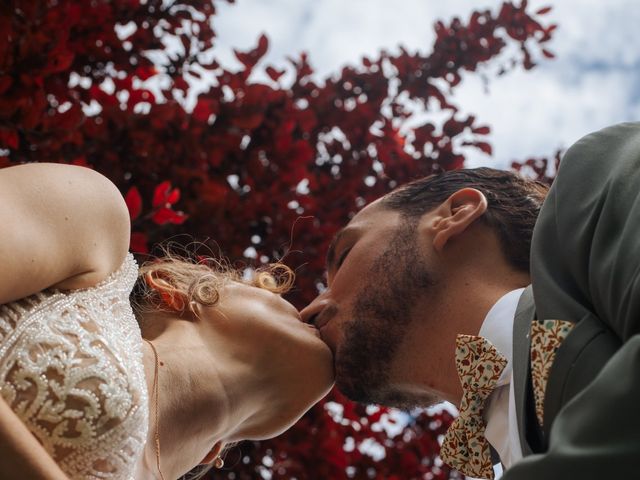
381, 318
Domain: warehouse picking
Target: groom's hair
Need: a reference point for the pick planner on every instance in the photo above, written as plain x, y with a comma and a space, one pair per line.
513, 204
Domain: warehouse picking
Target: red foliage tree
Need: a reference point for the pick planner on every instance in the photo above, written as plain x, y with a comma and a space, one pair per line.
268, 169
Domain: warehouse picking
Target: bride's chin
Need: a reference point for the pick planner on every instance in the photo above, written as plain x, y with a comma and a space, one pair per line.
283, 412
269, 428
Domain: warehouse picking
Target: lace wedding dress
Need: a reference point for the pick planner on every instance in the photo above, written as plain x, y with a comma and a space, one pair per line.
71, 369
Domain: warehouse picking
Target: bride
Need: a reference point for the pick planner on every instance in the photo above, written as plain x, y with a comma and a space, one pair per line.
93, 388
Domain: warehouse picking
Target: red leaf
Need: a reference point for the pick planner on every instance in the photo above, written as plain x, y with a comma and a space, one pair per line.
302, 153
248, 121
548, 53
102, 97
544, 10
481, 130
161, 193
204, 109
250, 58
134, 202
263, 45
181, 84
70, 119
178, 218
216, 156
166, 215
274, 74
125, 83
214, 193
139, 243
60, 61
452, 127
145, 72
140, 95
173, 196
81, 161
9, 138
484, 146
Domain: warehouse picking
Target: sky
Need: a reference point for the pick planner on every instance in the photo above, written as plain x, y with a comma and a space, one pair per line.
593, 82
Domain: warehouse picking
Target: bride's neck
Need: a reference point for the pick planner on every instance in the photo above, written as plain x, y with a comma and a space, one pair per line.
202, 398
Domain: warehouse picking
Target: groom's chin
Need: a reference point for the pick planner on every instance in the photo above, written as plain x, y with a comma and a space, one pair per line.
366, 394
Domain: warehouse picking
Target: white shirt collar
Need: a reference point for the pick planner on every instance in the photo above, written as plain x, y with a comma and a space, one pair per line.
498, 328
500, 411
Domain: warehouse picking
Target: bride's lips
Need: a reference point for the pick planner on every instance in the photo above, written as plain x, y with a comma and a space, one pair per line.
323, 323
313, 329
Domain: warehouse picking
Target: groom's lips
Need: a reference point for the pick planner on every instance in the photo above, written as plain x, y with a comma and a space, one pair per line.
321, 322
325, 316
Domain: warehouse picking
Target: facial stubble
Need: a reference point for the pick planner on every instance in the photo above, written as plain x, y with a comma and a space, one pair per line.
382, 314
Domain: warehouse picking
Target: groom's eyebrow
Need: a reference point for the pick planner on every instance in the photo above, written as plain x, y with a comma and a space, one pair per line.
331, 253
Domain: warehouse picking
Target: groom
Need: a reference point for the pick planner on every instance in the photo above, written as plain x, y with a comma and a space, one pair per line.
429, 299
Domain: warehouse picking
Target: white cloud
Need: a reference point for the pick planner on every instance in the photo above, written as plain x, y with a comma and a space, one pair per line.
592, 83
533, 114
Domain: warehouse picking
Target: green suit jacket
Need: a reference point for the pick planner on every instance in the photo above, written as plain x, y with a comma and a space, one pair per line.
585, 268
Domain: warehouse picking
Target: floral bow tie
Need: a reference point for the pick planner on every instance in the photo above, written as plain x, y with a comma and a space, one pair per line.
479, 367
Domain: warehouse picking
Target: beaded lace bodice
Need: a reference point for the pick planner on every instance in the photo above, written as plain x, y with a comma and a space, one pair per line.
71, 368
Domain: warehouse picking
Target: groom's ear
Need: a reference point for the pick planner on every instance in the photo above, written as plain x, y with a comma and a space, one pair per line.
455, 215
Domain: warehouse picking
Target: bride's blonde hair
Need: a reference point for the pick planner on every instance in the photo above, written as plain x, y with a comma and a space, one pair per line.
176, 283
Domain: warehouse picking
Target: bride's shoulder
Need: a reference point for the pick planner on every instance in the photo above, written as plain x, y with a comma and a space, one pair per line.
68, 228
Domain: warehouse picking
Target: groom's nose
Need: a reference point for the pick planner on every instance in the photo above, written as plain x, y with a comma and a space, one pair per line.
310, 313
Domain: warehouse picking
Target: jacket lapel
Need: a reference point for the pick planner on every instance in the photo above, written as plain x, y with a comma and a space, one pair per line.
525, 313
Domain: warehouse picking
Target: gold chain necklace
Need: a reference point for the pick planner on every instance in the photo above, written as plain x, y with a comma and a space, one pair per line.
156, 395
218, 462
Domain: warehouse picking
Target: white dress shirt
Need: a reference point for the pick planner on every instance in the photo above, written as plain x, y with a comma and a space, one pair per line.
500, 409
